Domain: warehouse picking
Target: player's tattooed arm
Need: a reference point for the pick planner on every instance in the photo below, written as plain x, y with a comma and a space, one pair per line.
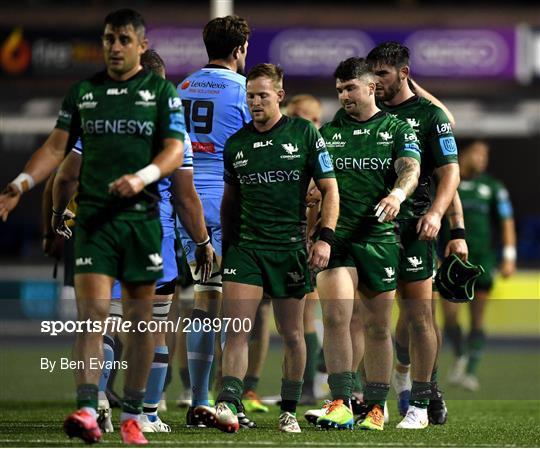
456, 244
454, 214
408, 172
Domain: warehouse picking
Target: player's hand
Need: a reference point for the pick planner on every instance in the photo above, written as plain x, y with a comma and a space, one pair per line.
508, 267
204, 258
313, 197
387, 209
428, 226
9, 198
458, 247
126, 186
53, 246
319, 255
58, 223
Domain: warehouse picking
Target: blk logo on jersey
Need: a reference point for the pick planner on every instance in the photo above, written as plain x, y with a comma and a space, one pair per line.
117, 91
296, 277
362, 132
83, 261
268, 143
231, 271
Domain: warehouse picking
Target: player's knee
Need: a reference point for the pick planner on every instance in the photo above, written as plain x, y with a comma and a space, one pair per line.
292, 338
336, 319
377, 330
421, 325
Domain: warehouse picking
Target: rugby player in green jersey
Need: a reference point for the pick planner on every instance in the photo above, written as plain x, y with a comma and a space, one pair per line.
419, 221
487, 209
131, 128
376, 158
268, 166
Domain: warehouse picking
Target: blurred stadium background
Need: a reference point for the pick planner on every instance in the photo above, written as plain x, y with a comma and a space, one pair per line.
481, 58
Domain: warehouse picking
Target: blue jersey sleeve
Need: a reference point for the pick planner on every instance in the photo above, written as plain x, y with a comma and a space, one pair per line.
504, 206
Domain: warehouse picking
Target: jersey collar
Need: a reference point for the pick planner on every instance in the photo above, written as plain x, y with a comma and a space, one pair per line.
282, 121
374, 117
413, 99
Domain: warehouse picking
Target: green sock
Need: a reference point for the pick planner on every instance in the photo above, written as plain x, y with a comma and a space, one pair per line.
87, 396
420, 394
231, 390
357, 382
376, 393
251, 383
341, 385
133, 401
477, 341
291, 391
312, 355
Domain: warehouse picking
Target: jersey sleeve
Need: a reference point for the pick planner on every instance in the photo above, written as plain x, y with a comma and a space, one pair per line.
242, 105
69, 118
188, 153
501, 202
406, 142
319, 161
170, 123
229, 173
77, 147
440, 139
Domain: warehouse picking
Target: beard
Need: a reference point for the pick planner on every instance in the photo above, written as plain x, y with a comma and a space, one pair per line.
389, 93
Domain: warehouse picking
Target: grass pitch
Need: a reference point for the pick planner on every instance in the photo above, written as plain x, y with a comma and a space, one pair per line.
506, 412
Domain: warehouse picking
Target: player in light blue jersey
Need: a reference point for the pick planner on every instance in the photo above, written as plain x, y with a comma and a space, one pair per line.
177, 188
214, 101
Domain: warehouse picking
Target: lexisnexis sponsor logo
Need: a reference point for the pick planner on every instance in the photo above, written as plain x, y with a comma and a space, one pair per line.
121, 126
208, 85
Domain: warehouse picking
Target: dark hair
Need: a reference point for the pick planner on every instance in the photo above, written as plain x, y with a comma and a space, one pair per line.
124, 17
467, 143
390, 53
223, 34
272, 71
150, 60
352, 68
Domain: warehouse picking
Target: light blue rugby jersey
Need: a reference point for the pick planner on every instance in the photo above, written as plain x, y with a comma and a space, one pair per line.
214, 102
166, 210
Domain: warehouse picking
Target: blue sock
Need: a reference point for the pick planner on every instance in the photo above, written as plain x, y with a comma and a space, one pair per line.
156, 382
108, 356
200, 349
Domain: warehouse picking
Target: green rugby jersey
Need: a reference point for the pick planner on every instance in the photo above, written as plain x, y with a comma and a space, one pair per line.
437, 142
122, 125
363, 155
273, 170
485, 204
